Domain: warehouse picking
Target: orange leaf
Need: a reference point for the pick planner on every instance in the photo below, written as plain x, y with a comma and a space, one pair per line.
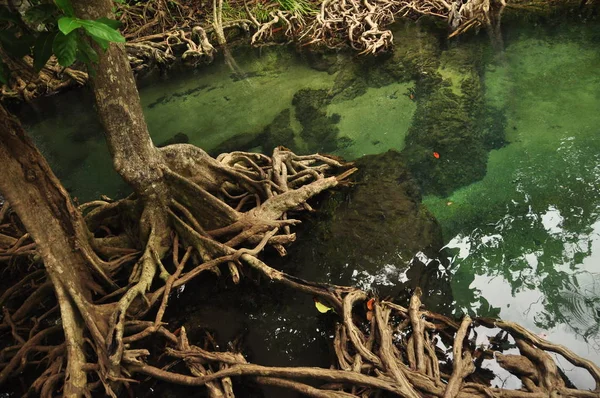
436, 155
370, 304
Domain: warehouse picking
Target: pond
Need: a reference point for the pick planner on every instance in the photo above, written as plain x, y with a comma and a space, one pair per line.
504, 144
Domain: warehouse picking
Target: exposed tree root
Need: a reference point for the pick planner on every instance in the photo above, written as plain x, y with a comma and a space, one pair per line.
220, 214
160, 32
26, 84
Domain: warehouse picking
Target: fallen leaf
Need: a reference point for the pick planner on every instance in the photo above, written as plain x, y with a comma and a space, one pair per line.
322, 308
370, 304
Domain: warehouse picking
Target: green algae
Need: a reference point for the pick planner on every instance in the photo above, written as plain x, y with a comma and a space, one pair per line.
529, 229
377, 244
362, 123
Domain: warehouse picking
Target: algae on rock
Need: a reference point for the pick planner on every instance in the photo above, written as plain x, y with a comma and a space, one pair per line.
319, 131
369, 234
453, 128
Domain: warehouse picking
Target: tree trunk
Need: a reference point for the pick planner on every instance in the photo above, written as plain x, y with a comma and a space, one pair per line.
118, 104
134, 155
56, 226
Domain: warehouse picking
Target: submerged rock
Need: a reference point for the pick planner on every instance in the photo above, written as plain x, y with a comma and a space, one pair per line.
369, 234
319, 131
323, 60
279, 132
416, 54
442, 148
179, 138
383, 215
453, 128
452, 117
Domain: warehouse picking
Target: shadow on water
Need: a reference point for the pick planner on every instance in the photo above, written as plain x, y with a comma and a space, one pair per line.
504, 150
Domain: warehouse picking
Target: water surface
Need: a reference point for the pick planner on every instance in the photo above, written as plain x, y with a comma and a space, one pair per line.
523, 242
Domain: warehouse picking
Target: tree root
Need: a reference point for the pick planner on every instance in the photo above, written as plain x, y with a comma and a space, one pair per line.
161, 32
219, 215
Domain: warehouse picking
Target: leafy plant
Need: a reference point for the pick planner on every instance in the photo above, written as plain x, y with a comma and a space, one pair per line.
57, 31
232, 13
302, 7
261, 12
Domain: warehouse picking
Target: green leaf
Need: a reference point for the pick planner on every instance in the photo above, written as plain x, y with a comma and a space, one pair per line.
68, 24
41, 13
4, 73
65, 48
101, 31
103, 43
43, 49
113, 23
66, 7
86, 53
322, 308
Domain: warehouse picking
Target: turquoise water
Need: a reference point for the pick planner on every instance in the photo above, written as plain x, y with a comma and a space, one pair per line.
526, 238
523, 242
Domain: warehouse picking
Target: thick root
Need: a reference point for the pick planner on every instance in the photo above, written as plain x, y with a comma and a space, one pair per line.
219, 215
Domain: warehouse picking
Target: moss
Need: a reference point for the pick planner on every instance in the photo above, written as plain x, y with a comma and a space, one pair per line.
377, 223
278, 133
179, 138
319, 131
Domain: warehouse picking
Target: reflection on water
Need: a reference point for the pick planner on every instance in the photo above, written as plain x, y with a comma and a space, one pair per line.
523, 242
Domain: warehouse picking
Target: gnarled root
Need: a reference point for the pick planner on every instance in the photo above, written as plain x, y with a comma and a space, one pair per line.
219, 215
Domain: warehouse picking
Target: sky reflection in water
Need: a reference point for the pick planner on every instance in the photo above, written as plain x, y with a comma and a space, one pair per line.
525, 241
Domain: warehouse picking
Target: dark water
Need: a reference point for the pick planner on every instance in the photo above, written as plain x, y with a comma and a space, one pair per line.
504, 143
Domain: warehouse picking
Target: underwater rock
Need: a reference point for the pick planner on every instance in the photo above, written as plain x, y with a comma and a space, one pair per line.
383, 212
369, 234
453, 128
416, 55
179, 138
322, 60
278, 133
442, 126
349, 83
319, 131
239, 142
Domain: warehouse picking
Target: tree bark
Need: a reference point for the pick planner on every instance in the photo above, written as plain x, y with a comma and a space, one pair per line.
42, 203
118, 104
56, 226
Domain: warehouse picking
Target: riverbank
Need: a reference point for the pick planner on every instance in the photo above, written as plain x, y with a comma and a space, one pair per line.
162, 34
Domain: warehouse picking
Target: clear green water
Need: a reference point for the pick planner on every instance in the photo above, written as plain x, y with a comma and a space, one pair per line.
524, 242
526, 238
